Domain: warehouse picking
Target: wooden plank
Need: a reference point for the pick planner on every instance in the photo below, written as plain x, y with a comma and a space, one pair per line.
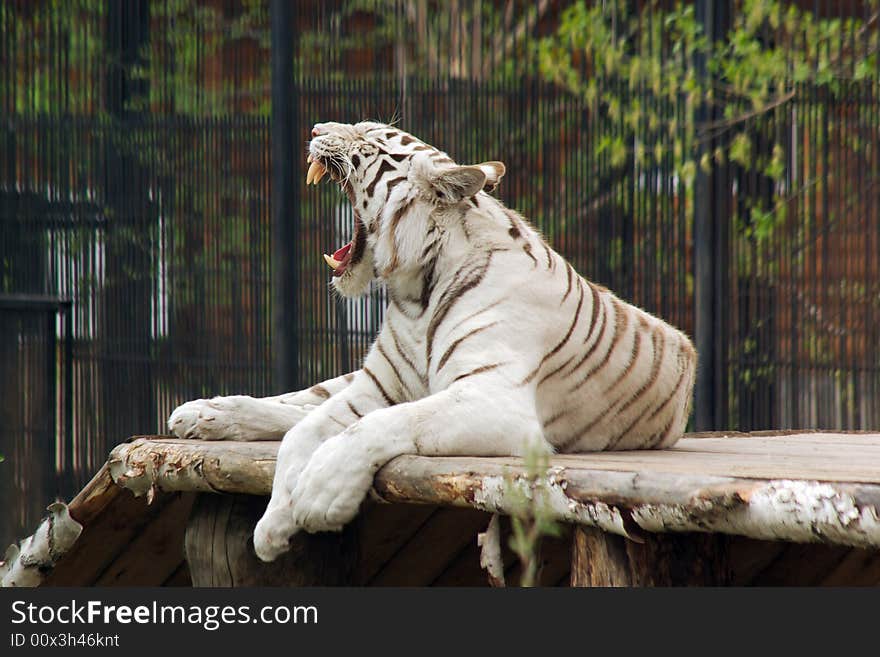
94, 497
858, 568
156, 552
105, 536
830, 439
822, 435
768, 446
801, 565
179, 577
464, 569
437, 543
752, 466
383, 529
749, 557
34, 560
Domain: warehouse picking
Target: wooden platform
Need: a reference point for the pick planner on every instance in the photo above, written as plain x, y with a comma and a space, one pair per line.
797, 487
782, 507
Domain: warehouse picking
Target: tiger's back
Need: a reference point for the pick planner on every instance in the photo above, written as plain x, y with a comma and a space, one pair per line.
623, 379
603, 374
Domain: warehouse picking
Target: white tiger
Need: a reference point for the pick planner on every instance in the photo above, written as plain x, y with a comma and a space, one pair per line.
491, 342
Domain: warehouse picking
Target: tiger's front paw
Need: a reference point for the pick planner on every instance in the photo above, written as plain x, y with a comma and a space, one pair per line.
330, 489
272, 533
207, 419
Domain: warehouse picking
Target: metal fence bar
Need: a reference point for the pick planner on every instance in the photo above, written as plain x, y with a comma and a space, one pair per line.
32, 438
150, 173
285, 204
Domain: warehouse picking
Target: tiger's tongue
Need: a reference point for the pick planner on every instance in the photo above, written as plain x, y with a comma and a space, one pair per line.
339, 254
339, 260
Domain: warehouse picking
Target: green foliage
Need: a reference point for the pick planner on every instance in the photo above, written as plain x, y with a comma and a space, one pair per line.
28, 31
174, 60
531, 516
649, 75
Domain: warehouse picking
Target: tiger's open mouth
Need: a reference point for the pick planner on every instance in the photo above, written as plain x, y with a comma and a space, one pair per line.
350, 254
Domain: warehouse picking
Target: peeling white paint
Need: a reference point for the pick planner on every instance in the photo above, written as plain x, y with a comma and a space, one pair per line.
490, 553
494, 496
143, 471
799, 511
26, 564
787, 510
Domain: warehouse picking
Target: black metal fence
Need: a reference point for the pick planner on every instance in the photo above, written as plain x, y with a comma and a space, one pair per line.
135, 205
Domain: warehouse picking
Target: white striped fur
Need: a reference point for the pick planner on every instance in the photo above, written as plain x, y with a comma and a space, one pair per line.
491, 343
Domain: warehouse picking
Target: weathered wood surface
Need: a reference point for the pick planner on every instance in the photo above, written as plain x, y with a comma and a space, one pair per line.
127, 541
220, 552
602, 559
31, 563
154, 552
147, 463
802, 487
427, 554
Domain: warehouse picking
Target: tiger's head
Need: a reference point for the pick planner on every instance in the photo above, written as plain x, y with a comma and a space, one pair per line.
398, 186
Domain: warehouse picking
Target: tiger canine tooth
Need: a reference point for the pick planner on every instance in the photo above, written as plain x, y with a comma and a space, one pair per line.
315, 173
331, 262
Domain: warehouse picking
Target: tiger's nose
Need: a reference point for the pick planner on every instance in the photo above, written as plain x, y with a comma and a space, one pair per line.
315, 132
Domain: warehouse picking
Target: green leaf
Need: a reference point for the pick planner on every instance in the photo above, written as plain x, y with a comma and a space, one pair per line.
688, 172
705, 163
741, 150
776, 167
618, 152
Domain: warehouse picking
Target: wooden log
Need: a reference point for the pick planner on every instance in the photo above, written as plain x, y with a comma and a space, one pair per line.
623, 493
602, 559
31, 563
198, 466
27, 564
220, 550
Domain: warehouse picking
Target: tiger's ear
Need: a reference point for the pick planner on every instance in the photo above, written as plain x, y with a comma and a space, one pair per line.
494, 173
452, 185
